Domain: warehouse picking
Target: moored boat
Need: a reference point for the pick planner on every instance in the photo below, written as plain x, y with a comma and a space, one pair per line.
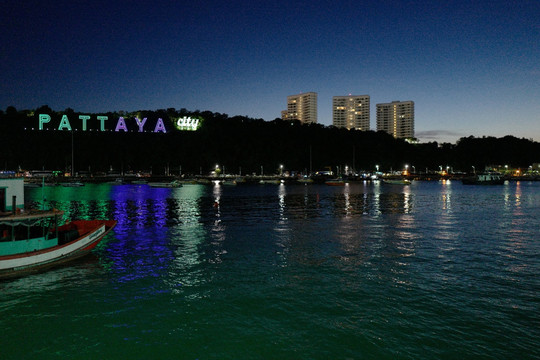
397, 181
31, 241
117, 181
229, 182
484, 179
270, 181
335, 182
73, 184
172, 184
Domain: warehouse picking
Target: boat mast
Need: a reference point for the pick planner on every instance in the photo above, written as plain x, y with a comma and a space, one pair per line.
72, 157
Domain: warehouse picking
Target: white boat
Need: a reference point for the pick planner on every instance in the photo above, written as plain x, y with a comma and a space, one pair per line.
73, 184
270, 181
484, 179
172, 184
397, 181
31, 241
117, 181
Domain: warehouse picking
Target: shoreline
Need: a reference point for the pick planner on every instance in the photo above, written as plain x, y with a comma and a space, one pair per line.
248, 179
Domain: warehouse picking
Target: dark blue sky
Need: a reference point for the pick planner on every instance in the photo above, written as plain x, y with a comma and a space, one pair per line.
471, 67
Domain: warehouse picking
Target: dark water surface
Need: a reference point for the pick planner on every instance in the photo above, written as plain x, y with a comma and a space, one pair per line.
427, 271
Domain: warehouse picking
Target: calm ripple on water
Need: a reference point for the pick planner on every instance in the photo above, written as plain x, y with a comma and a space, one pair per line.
366, 271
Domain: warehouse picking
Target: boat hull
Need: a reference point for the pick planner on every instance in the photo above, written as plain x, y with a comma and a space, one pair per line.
397, 182
484, 179
335, 183
91, 232
165, 185
486, 182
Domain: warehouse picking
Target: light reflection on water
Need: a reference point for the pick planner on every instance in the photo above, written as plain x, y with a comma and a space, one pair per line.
181, 220
414, 269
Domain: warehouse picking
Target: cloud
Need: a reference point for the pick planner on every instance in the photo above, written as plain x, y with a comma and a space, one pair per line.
437, 134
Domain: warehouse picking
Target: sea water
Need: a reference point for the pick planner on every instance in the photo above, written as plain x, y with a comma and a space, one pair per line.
432, 270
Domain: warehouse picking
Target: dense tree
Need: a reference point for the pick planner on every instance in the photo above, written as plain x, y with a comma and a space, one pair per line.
239, 142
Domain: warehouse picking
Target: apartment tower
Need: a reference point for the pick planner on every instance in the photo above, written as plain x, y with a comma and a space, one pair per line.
351, 112
302, 107
396, 118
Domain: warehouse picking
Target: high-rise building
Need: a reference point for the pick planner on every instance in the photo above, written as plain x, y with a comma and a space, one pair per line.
351, 112
396, 118
302, 107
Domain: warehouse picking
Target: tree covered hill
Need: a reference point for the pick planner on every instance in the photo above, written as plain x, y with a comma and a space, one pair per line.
239, 143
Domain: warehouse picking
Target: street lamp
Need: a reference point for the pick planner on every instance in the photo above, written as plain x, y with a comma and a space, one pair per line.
281, 170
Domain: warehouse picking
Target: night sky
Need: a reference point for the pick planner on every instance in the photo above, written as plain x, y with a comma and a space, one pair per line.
471, 67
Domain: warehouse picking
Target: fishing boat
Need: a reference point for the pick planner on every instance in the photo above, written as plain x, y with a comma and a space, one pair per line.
117, 181
73, 184
172, 184
335, 182
397, 181
270, 181
34, 240
305, 180
484, 179
229, 182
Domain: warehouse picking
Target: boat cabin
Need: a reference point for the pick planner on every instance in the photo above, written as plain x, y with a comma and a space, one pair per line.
11, 194
29, 231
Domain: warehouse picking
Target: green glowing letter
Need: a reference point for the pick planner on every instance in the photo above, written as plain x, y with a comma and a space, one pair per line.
64, 123
102, 119
43, 118
84, 118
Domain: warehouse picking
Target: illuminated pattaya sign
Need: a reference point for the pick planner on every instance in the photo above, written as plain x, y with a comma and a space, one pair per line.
185, 123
